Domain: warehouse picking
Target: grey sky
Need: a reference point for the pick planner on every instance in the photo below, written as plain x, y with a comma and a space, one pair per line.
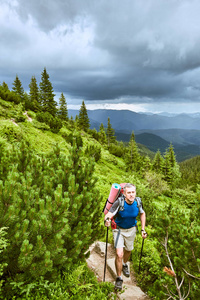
136, 54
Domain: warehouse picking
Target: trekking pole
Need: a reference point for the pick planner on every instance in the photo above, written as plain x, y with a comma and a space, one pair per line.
141, 254
105, 256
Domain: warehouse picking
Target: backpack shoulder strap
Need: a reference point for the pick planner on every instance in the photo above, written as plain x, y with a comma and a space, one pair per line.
121, 203
139, 202
122, 199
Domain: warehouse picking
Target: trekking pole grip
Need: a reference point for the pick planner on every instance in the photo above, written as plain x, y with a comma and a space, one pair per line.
107, 219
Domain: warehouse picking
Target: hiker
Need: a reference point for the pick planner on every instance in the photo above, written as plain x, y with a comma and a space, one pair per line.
125, 232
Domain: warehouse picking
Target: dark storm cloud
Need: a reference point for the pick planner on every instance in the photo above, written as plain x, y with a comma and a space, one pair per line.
49, 13
121, 83
104, 50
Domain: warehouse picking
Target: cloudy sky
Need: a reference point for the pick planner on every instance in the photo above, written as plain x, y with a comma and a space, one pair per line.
142, 55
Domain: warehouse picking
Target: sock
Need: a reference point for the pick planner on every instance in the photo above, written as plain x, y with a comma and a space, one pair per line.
120, 277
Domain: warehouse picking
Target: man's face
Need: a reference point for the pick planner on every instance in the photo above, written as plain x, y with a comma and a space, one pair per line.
130, 194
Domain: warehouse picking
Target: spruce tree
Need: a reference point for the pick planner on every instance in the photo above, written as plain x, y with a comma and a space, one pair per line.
110, 133
76, 122
133, 149
62, 111
18, 89
34, 95
102, 134
132, 155
83, 119
158, 161
171, 168
167, 168
145, 164
72, 122
46, 97
5, 86
171, 155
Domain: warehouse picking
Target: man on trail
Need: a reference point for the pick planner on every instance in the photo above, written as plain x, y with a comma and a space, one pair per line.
125, 232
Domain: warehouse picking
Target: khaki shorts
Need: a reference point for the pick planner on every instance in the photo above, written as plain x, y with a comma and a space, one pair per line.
125, 239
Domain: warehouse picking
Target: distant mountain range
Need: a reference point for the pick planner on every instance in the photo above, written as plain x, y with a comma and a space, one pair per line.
127, 121
166, 114
156, 131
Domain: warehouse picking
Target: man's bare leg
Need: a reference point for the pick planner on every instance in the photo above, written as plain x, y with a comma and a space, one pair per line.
126, 255
118, 260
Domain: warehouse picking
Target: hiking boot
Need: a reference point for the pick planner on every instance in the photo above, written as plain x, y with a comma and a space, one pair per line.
118, 283
125, 270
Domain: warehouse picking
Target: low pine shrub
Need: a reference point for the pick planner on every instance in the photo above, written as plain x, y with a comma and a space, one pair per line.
47, 205
76, 283
54, 123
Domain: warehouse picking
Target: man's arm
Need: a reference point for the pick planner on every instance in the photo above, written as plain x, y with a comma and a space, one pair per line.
112, 212
143, 222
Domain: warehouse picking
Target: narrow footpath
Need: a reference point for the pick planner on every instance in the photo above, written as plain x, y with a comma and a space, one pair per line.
96, 262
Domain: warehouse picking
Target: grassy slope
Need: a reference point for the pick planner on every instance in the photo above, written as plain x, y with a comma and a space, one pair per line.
108, 169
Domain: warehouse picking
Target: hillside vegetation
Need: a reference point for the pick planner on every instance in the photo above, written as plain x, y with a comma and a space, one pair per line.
55, 176
190, 170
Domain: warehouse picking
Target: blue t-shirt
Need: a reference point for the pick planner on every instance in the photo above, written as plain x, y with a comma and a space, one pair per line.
127, 218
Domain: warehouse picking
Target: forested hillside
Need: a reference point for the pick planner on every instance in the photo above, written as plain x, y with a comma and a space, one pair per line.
190, 170
55, 175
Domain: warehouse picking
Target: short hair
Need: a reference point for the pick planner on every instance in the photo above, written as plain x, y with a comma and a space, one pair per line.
128, 185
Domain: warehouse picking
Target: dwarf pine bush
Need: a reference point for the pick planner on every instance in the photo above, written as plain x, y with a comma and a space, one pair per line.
51, 208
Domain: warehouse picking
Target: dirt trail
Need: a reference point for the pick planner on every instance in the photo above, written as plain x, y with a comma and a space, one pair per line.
96, 262
29, 118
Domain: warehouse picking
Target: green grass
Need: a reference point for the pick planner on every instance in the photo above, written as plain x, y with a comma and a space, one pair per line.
42, 141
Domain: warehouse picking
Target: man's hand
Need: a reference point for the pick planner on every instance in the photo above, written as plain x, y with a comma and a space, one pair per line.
107, 222
144, 234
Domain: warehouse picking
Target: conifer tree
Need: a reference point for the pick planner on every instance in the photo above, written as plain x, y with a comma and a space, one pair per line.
5, 86
110, 133
18, 89
83, 119
46, 97
158, 161
132, 156
133, 149
76, 121
146, 164
34, 95
170, 167
71, 122
171, 154
102, 134
167, 168
62, 111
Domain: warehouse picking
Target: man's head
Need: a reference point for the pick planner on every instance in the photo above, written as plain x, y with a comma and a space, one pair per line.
129, 192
